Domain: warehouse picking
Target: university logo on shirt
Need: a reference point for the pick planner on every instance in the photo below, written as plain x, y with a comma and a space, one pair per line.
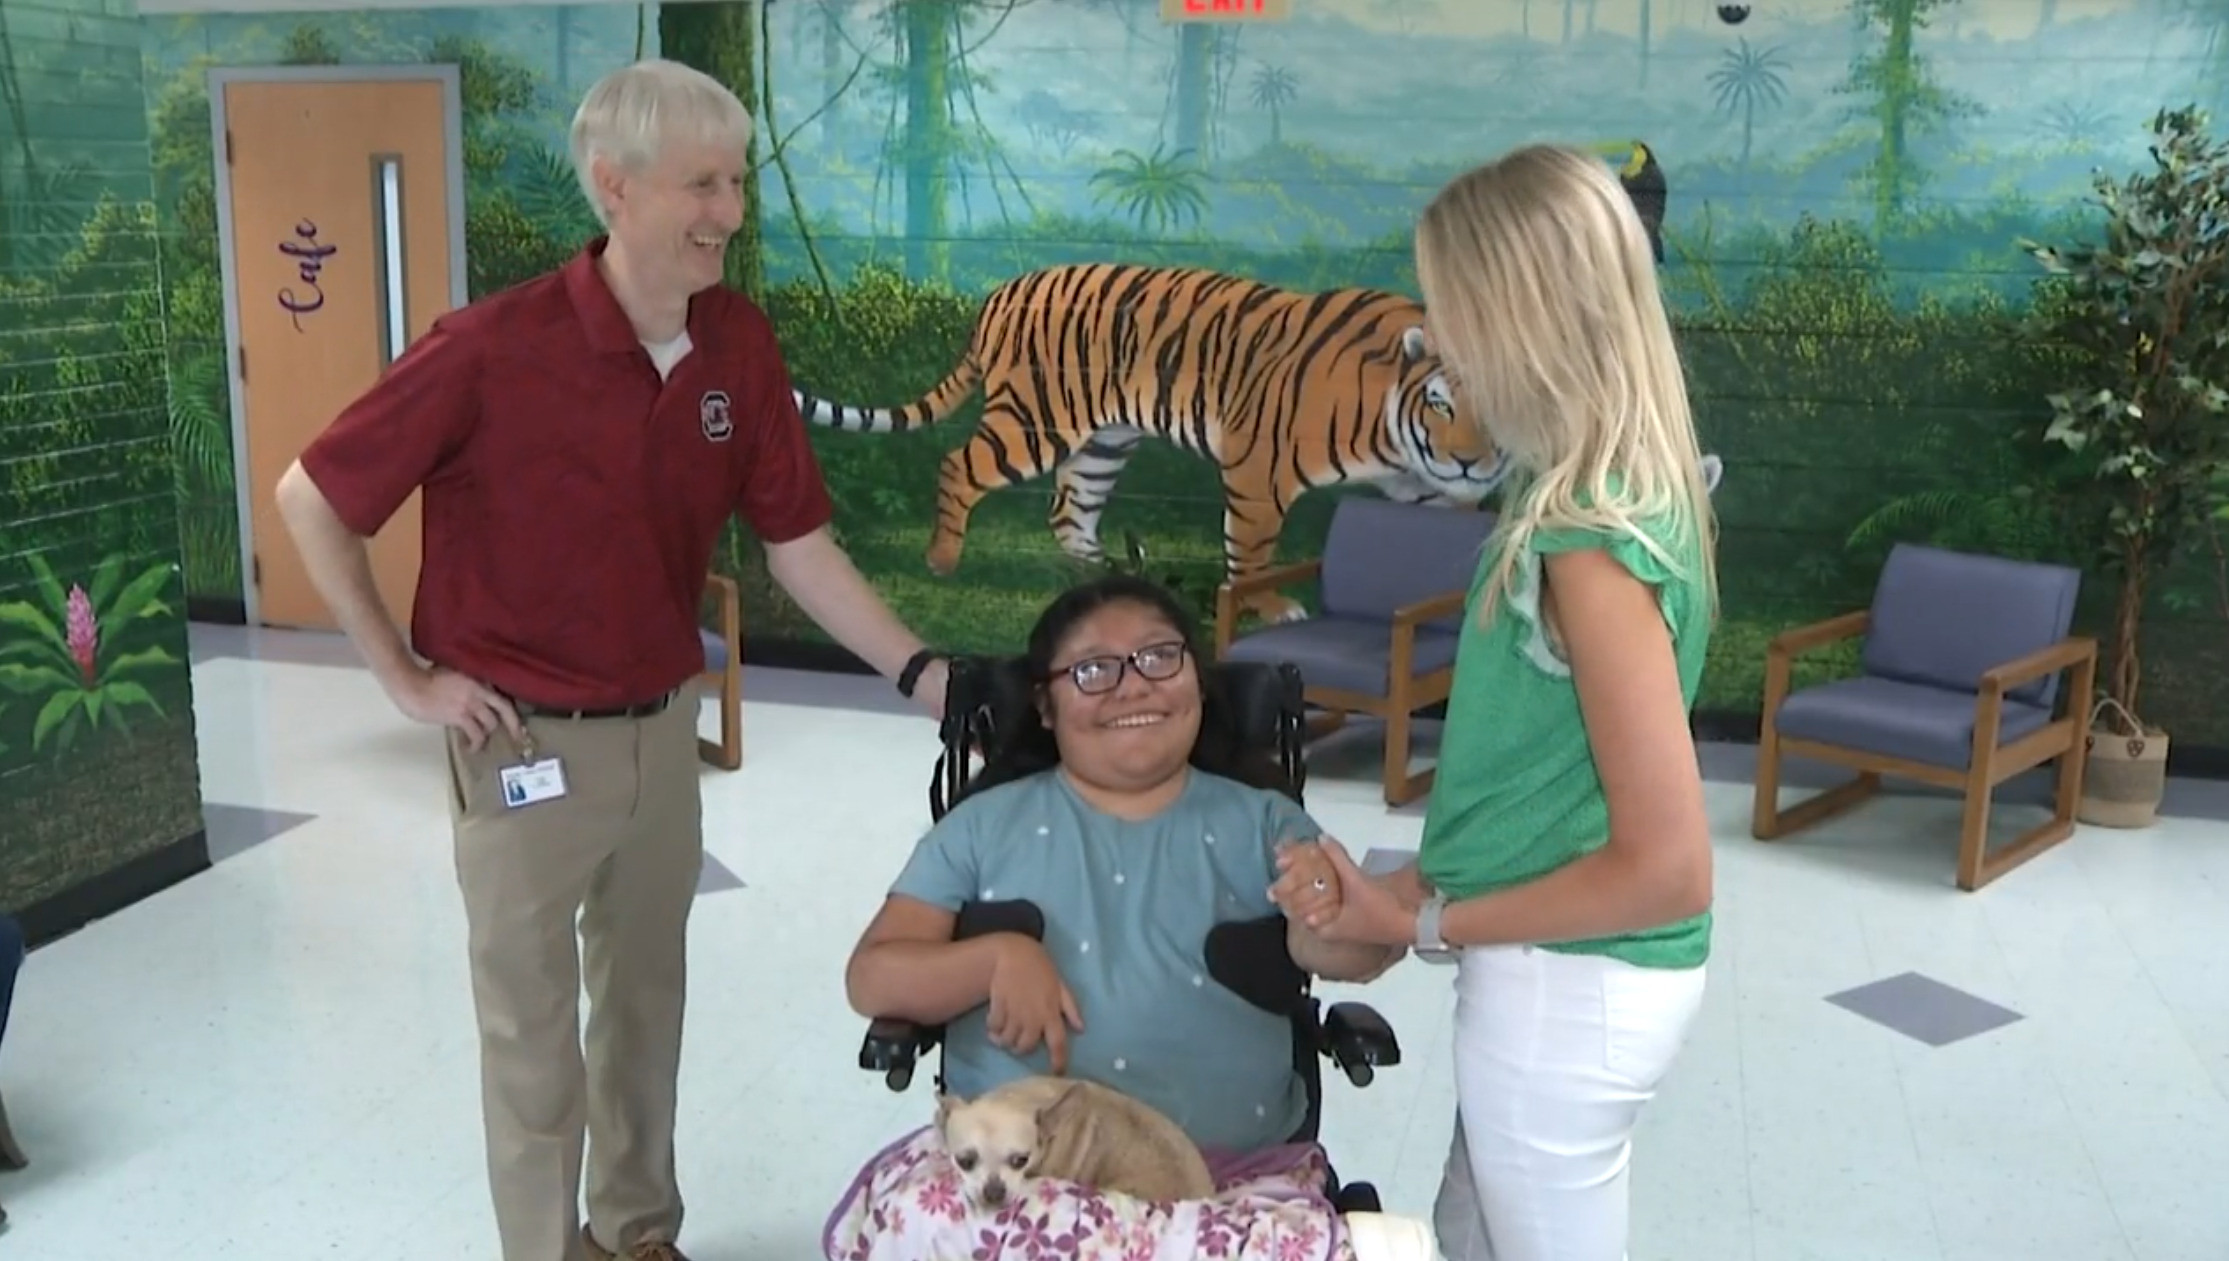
713, 416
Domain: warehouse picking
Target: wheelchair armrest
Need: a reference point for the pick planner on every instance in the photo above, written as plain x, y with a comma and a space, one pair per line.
1359, 1041
1013, 915
892, 1046
1249, 958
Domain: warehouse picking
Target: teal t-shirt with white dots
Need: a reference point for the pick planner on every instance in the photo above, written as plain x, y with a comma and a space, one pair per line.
1516, 794
1128, 905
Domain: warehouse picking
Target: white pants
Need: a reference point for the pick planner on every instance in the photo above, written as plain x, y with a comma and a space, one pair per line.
1555, 1054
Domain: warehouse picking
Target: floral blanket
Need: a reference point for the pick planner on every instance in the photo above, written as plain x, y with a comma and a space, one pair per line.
906, 1206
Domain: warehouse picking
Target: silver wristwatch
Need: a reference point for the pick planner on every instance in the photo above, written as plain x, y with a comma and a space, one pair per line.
1430, 946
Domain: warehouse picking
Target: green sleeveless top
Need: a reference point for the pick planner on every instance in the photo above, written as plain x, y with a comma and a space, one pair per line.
1516, 794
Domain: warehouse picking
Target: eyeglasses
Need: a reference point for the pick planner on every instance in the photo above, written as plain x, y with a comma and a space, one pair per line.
1095, 675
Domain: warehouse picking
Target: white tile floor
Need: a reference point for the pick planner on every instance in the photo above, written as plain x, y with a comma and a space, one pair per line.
274, 1060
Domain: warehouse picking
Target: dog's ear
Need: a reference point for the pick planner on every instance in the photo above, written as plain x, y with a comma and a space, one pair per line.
1050, 1116
946, 1104
1068, 1097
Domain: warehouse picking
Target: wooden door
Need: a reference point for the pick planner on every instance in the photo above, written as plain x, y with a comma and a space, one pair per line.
341, 256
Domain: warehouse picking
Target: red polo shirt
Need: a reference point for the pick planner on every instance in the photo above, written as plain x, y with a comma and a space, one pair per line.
572, 498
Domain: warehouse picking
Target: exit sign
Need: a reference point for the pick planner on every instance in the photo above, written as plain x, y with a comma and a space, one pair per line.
1226, 10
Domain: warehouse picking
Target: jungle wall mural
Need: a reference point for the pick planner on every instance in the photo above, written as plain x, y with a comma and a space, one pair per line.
1844, 187
98, 767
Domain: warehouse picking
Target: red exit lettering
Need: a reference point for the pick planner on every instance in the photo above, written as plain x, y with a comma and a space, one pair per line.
1223, 6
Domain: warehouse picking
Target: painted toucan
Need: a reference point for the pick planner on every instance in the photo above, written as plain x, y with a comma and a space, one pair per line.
1643, 179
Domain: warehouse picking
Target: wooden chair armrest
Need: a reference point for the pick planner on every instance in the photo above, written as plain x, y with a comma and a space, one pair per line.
730, 602
2068, 652
1801, 639
1430, 609
1269, 579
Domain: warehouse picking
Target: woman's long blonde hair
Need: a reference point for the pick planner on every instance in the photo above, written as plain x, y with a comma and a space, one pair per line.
1540, 291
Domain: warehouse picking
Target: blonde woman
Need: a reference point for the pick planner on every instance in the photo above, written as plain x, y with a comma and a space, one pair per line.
1566, 861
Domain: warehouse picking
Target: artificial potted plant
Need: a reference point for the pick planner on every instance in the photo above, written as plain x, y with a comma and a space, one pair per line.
2139, 320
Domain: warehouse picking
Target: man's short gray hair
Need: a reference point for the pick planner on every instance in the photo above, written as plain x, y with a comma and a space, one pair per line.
633, 112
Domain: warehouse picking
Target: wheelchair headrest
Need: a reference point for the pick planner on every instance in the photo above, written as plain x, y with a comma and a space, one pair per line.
986, 696
994, 692
1265, 699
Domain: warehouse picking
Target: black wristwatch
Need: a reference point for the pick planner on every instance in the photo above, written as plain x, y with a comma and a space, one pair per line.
910, 677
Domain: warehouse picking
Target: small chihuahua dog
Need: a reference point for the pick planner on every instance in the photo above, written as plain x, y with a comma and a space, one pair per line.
1070, 1130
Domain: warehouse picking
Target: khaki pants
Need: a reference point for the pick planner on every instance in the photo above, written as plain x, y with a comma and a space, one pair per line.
622, 850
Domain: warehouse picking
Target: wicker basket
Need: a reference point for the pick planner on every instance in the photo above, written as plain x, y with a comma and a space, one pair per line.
2126, 776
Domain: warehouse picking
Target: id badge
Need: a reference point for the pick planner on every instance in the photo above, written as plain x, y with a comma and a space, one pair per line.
532, 782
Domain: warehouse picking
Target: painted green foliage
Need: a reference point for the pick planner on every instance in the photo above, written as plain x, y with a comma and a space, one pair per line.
70, 655
1848, 187
97, 751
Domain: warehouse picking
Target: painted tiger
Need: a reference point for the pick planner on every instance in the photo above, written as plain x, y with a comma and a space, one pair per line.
1284, 391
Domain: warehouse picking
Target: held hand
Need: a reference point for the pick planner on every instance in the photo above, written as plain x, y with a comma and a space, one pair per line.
1370, 913
1029, 1003
448, 699
1308, 887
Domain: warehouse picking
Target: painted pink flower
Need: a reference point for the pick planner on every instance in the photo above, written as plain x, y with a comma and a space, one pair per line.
81, 634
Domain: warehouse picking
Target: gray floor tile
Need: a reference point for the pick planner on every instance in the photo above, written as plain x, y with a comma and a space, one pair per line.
236, 829
1924, 1009
716, 878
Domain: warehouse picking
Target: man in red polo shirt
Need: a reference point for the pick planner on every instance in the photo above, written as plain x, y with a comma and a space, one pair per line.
581, 440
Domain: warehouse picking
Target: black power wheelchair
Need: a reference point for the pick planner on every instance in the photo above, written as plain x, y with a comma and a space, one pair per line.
985, 695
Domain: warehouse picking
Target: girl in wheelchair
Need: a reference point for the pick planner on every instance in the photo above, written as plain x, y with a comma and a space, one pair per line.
1132, 818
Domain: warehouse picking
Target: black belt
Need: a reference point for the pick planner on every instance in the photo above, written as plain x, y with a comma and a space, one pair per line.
528, 709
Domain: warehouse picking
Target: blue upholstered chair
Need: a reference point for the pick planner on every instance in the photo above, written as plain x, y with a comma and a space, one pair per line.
1392, 581
723, 666
1960, 687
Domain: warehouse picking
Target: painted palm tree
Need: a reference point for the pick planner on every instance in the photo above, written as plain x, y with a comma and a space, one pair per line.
1748, 78
43, 210
2076, 125
1275, 88
1161, 190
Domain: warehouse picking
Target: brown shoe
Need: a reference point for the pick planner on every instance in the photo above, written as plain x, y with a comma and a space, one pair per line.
655, 1250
